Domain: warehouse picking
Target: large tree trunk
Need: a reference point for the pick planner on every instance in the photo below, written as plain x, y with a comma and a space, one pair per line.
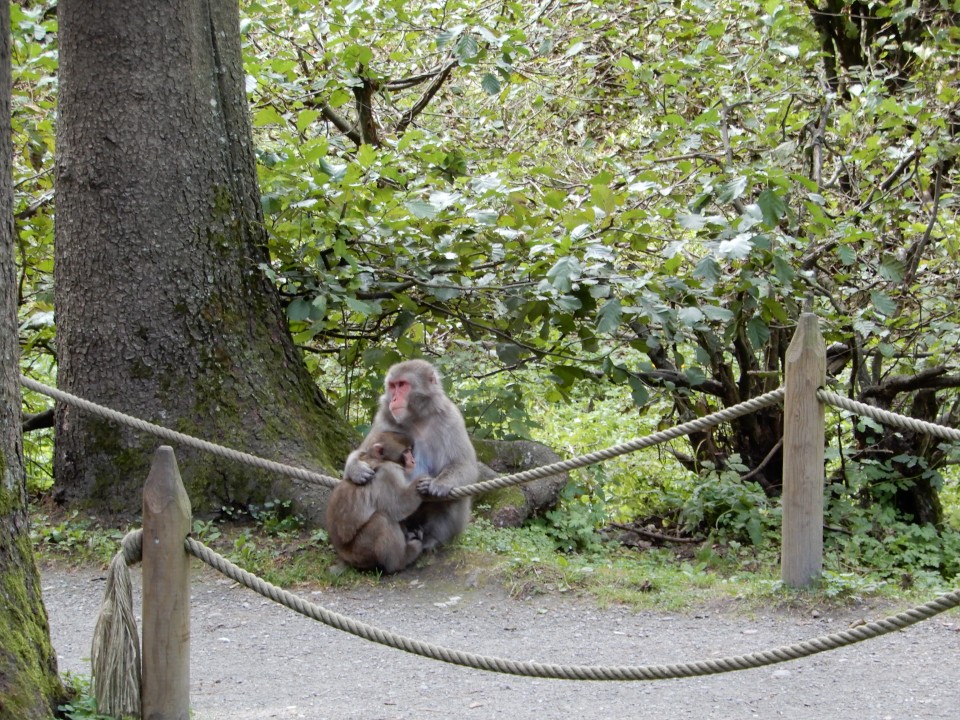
29, 684
163, 310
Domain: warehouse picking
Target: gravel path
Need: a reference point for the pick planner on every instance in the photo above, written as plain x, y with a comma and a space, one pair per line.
253, 659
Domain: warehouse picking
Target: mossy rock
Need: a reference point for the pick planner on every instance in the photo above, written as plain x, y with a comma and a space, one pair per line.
511, 506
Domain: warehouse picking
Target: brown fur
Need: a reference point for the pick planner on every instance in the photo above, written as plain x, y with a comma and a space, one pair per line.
415, 404
363, 521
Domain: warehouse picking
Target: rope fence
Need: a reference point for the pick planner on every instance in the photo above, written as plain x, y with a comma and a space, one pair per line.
175, 436
631, 446
132, 547
116, 655
703, 423
888, 418
572, 672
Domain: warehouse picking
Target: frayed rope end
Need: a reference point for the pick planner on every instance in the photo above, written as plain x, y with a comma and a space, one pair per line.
115, 656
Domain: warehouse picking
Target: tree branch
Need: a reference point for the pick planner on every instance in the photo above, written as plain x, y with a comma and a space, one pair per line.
328, 113
916, 252
653, 535
931, 379
368, 123
427, 96
39, 421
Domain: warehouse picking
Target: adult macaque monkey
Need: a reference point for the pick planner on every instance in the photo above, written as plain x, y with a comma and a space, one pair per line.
363, 521
413, 403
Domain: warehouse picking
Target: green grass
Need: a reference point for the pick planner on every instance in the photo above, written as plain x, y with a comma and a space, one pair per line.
527, 561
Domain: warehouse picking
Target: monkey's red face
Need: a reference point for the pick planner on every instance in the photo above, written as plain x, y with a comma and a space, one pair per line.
398, 389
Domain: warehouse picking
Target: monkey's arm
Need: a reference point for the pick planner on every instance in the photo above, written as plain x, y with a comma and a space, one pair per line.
356, 470
453, 476
359, 471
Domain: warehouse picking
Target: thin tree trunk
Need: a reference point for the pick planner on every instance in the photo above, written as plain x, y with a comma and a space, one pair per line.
29, 684
163, 310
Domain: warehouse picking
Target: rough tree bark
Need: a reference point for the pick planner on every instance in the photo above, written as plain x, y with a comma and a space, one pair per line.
29, 684
163, 311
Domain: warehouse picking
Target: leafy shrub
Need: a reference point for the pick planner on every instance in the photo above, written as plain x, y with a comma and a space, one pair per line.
729, 508
582, 509
865, 529
83, 704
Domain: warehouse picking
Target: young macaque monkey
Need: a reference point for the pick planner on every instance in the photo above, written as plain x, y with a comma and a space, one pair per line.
363, 521
414, 404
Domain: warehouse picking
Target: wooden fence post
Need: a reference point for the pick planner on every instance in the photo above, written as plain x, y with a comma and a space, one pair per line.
166, 592
803, 441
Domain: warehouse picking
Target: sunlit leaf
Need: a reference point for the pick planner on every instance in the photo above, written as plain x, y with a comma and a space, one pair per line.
690, 316
731, 190
563, 273
735, 248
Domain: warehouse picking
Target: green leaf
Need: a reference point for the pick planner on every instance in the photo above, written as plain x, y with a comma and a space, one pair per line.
783, 269
306, 118
467, 49
575, 49
361, 306
847, 255
892, 269
490, 84
566, 375
690, 316
298, 310
366, 155
449, 34
422, 209
569, 303
509, 353
718, 314
757, 332
731, 190
271, 203
708, 270
883, 304
608, 317
267, 116
563, 273
772, 206
638, 392
701, 201
336, 172
736, 248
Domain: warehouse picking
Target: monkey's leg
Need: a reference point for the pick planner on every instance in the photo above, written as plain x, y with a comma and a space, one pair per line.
414, 550
389, 543
440, 522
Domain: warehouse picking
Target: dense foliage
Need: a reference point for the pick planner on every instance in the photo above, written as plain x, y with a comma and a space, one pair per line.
638, 196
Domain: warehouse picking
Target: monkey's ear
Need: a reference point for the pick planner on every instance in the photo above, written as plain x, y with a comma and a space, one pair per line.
377, 450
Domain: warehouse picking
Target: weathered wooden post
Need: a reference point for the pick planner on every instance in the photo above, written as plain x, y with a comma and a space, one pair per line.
166, 592
803, 441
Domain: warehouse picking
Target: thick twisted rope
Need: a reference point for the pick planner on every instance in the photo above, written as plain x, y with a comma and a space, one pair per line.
887, 417
179, 437
707, 421
115, 651
571, 672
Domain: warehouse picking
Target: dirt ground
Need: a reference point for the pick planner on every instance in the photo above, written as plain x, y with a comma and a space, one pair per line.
252, 659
